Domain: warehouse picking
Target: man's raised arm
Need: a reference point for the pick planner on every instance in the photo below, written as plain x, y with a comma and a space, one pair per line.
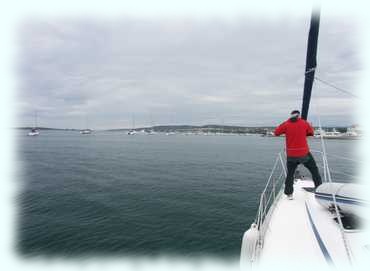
280, 129
310, 131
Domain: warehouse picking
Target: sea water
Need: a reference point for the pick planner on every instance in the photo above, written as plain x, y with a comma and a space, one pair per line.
110, 193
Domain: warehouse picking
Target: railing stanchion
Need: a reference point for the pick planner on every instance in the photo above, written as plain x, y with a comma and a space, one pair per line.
272, 190
265, 203
282, 163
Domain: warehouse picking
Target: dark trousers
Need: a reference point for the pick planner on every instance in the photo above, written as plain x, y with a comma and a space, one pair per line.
292, 163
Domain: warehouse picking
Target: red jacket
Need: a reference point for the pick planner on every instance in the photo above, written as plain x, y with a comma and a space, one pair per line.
295, 136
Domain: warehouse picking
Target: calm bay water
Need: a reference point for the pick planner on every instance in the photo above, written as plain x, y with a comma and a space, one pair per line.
111, 193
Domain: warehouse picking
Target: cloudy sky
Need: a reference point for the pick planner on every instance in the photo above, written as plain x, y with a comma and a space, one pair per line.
247, 71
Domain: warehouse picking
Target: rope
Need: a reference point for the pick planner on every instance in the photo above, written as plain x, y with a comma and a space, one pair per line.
335, 87
335, 156
344, 158
345, 242
338, 172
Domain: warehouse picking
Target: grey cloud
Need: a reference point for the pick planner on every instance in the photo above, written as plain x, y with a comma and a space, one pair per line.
249, 72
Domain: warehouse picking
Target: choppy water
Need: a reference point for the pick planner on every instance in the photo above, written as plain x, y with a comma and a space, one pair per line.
110, 193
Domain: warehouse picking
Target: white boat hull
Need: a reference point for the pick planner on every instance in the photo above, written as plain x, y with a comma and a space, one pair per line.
302, 232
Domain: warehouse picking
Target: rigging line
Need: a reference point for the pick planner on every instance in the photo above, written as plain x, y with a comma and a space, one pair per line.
339, 218
344, 158
338, 172
335, 87
337, 156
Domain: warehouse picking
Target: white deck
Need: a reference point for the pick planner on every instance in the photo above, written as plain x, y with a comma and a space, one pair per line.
290, 239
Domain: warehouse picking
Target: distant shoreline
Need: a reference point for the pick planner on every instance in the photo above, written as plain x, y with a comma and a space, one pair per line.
45, 128
224, 129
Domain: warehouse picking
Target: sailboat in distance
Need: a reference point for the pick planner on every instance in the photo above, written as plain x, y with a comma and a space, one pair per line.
320, 227
132, 130
86, 131
34, 131
151, 131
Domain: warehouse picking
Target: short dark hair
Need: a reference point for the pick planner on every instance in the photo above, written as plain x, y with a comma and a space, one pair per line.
295, 112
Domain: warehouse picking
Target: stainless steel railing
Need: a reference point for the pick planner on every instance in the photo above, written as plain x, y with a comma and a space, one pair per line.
273, 190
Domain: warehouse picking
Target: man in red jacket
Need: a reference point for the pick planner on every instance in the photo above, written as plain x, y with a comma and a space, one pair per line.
296, 130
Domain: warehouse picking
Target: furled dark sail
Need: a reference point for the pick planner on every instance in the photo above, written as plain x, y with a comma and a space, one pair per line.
310, 61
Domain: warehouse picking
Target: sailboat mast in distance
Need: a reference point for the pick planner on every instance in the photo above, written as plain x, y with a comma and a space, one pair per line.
310, 60
34, 131
35, 120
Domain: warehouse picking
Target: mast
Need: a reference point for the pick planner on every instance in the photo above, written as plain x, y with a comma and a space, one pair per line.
35, 120
310, 60
86, 123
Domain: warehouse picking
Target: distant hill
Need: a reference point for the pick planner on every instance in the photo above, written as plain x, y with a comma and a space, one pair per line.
209, 128
46, 128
